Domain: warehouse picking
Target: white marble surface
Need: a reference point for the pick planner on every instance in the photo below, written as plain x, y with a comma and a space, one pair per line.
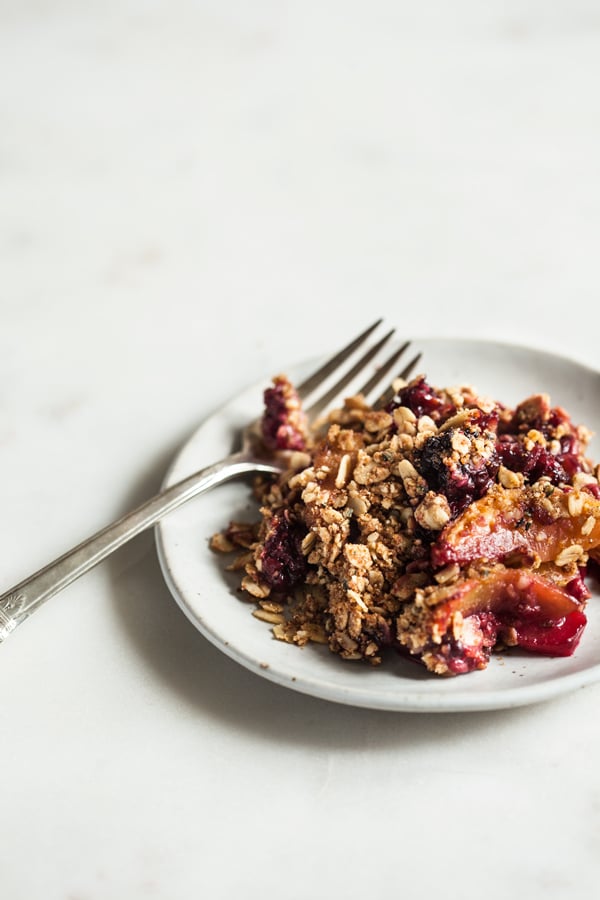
191, 195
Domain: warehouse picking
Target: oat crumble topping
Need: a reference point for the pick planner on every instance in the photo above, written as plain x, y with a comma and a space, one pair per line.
444, 526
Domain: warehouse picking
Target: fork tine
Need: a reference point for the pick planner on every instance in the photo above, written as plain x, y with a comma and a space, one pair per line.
382, 371
330, 395
318, 377
389, 393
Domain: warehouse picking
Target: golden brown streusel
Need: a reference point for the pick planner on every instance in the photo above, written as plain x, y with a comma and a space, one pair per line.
442, 526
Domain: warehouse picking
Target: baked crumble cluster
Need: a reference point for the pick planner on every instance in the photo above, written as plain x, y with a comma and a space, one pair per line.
443, 526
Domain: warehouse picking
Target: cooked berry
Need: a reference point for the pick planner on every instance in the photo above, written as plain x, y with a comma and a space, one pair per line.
536, 463
460, 482
283, 564
282, 422
423, 400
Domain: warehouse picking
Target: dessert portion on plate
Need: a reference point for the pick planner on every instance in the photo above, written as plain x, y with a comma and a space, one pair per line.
444, 526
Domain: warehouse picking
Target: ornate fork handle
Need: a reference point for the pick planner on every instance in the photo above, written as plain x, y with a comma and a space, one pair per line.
24, 598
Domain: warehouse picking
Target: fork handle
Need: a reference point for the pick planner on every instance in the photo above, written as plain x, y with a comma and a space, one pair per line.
24, 598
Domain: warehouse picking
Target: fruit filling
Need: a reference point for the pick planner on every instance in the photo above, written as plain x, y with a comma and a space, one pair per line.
283, 425
443, 527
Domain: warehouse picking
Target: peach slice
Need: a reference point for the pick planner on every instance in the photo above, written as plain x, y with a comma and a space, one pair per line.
460, 624
538, 522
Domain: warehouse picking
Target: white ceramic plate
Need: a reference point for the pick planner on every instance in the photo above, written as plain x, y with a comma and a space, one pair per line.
209, 596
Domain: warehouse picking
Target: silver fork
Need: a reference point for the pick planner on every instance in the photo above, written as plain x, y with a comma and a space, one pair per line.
24, 598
